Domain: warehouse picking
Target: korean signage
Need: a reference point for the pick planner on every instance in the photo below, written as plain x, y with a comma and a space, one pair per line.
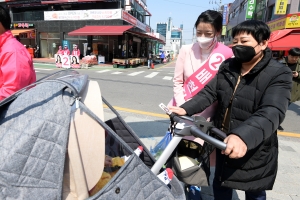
280, 7
141, 25
277, 24
83, 14
225, 7
292, 21
250, 9
132, 20
224, 30
129, 18
22, 25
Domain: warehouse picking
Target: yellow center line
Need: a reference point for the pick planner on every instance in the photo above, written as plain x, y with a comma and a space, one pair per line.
140, 112
287, 134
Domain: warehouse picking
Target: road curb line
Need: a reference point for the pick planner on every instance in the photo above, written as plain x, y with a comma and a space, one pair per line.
139, 112
287, 134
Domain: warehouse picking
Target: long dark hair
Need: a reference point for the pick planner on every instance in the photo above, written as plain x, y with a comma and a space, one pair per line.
5, 18
212, 17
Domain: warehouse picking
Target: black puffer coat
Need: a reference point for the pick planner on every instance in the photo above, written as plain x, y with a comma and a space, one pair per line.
258, 108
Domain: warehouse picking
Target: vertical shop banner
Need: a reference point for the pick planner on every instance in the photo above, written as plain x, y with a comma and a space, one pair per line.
280, 7
225, 15
250, 9
65, 61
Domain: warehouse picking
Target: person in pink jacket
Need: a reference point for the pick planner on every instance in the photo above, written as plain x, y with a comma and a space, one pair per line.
66, 50
198, 56
76, 51
16, 66
198, 63
60, 51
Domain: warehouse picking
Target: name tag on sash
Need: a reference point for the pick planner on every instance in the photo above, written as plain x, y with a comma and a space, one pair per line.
209, 69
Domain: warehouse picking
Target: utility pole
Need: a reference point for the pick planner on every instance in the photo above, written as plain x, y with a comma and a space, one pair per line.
219, 9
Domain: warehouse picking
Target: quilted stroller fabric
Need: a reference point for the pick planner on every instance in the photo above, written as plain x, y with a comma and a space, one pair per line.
34, 132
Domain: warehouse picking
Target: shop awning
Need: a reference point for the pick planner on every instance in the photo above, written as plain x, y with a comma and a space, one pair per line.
146, 36
18, 31
100, 30
286, 39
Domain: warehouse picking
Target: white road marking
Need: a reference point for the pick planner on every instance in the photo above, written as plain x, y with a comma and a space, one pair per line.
36, 71
117, 73
151, 75
43, 69
102, 71
135, 73
168, 78
44, 63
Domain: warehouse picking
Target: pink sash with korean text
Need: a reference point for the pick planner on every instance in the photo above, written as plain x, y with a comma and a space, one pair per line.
209, 69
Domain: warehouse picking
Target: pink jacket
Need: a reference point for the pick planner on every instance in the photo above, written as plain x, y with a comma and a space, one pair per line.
190, 59
16, 66
76, 52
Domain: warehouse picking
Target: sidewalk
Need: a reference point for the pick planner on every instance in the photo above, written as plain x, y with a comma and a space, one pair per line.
106, 65
52, 61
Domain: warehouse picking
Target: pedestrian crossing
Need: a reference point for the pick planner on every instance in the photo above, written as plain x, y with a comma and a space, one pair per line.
146, 74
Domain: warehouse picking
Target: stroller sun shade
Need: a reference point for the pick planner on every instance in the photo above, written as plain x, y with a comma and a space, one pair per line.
45, 125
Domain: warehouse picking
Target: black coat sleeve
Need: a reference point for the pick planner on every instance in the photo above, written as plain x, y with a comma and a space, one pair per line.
270, 112
203, 99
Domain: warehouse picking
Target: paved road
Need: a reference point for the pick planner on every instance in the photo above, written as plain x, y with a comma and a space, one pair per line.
136, 93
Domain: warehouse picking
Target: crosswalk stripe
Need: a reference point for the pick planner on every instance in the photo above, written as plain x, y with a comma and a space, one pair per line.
43, 69
117, 73
135, 73
102, 71
151, 75
168, 78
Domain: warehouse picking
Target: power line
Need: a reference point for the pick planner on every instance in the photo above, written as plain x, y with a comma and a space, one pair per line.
186, 4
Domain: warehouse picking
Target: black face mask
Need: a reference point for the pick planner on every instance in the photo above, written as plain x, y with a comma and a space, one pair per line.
244, 53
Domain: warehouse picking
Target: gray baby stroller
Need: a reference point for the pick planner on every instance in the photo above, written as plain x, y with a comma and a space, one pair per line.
44, 126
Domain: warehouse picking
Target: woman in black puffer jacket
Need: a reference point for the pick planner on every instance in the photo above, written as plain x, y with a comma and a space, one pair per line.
253, 92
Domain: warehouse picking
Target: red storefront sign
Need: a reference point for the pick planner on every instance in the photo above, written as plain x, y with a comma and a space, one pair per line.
129, 18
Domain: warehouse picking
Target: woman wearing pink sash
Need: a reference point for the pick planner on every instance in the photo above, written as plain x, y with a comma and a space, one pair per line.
198, 63
196, 59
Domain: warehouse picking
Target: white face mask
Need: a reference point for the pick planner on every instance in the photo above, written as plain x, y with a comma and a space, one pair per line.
205, 42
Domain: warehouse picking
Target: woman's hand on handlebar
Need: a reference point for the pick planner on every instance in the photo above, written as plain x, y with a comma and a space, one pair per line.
235, 148
177, 110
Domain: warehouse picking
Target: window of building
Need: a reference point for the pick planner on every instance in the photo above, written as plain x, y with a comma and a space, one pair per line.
259, 15
270, 13
243, 6
176, 34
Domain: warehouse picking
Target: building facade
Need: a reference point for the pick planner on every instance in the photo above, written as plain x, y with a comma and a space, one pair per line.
173, 36
113, 29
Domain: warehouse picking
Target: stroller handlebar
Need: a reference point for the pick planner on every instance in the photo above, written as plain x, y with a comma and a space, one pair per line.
196, 132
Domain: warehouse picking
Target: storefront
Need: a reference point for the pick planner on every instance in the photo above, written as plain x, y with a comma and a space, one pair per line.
285, 34
25, 33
